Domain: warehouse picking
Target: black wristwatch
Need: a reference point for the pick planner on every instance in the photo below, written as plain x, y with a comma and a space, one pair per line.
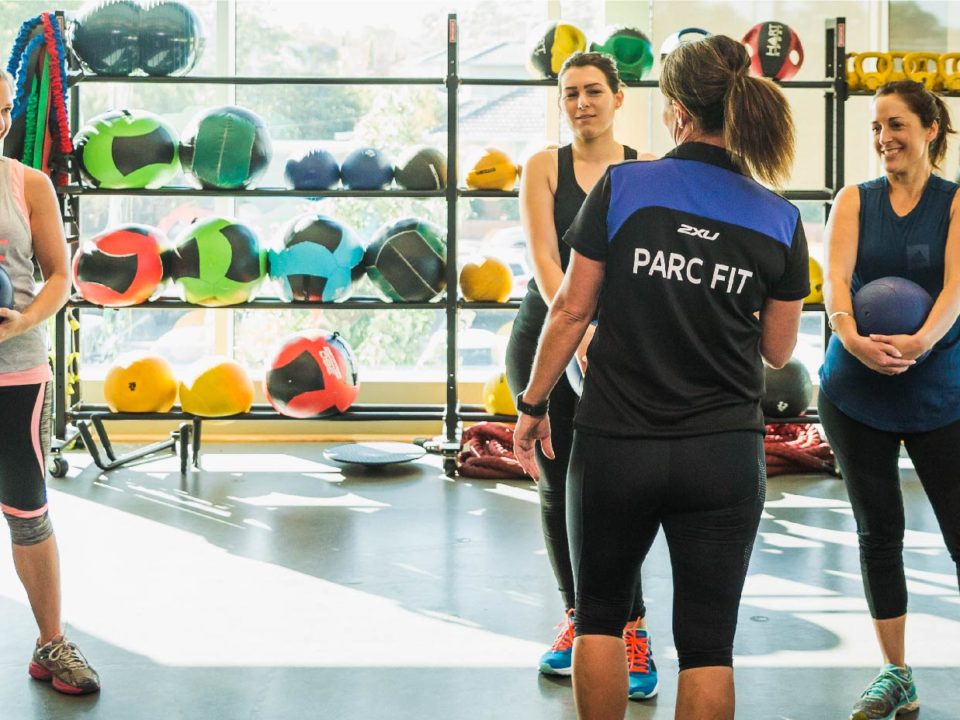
532, 410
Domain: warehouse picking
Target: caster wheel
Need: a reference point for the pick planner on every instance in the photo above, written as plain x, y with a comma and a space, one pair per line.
450, 467
59, 467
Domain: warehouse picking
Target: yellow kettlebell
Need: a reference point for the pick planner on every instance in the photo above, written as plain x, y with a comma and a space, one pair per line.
853, 81
871, 80
897, 71
948, 67
919, 69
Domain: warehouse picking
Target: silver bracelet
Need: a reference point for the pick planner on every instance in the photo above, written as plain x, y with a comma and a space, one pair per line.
832, 315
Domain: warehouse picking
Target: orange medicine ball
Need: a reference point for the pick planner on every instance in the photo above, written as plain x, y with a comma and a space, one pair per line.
217, 387
145, 384
493, 171
489, 280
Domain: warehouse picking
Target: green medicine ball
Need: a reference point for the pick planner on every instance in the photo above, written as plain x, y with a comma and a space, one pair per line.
631, 50
407, 260
226, 148
127, 149
217, 262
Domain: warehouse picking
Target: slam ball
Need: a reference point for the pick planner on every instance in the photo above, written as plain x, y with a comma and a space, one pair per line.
775, 50
312, 374
422, 168
171, 38
319, 260
787, 391
226, 148
127, 149
630, 48
891, 306
366, 168
313, 169
120, 266
105, 36
407, 260
6, 290
550, 44
217, 262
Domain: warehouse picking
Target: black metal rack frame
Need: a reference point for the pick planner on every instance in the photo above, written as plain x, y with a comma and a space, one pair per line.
452, 413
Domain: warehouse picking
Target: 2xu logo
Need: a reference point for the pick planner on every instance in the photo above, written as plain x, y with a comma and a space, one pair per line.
697, 232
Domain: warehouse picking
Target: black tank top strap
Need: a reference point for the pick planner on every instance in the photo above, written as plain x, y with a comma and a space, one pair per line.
629, 153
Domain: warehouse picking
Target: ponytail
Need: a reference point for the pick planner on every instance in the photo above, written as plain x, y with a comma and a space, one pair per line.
710, 78
758, 127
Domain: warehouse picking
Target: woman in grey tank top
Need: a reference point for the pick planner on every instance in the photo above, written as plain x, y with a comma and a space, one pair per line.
31, 229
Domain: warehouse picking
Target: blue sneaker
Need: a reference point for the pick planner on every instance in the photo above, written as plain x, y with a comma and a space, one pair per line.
644, 682
892, 692
558, 660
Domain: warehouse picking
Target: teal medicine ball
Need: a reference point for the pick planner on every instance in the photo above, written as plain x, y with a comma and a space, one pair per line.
127, 149
407, 260
630, 48
226, 148
216, 262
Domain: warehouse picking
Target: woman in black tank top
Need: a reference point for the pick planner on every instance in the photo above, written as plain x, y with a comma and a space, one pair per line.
554, 185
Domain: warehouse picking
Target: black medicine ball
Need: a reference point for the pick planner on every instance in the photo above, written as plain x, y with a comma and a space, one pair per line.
422, 168
788, 391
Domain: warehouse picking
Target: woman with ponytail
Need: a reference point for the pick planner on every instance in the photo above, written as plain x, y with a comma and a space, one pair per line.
699, 272
874, 392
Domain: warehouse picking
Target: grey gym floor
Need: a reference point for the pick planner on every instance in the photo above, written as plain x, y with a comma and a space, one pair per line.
273, 584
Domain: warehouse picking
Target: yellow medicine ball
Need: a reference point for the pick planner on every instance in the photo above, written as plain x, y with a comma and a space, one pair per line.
493, 171
487, 281
219, 387
497, 398
145, 384
816, 284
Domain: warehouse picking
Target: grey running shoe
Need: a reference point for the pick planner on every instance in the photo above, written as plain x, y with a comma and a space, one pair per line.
62, 662
892, 692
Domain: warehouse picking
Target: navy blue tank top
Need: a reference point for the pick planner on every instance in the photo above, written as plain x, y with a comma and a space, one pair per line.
927, 396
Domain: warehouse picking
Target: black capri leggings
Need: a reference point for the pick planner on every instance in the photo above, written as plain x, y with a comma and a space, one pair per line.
868, 459
553, 473
707, 492
24, 445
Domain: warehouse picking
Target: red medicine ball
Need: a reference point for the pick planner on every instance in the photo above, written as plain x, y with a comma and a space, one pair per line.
121, 266
313, 374
775, 50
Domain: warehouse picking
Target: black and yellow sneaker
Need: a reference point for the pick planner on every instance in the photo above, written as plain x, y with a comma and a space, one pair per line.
61, 662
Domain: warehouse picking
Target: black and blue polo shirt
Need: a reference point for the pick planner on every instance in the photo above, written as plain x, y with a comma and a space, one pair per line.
693, 249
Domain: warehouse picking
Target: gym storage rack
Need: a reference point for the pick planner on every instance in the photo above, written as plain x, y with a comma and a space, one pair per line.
89, 418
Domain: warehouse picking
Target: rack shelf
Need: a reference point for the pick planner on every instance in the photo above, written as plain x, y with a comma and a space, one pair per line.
452, 413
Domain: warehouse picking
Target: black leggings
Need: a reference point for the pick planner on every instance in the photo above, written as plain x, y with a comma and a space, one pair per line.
706, 491
868, 459
24, 445
553, 473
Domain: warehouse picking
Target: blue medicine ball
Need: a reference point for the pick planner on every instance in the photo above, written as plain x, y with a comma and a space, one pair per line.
6, 290
366, 168
315, 169
319, 261
891, 306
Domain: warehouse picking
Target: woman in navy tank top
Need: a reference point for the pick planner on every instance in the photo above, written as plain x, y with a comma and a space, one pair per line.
554, 185
877, 392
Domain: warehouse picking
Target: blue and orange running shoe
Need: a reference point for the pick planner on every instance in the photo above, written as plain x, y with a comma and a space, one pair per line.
558, 660
643, 680
892, 692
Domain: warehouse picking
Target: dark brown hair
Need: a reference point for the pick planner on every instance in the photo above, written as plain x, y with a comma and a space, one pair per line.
604, 63
710, 79
929, 108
